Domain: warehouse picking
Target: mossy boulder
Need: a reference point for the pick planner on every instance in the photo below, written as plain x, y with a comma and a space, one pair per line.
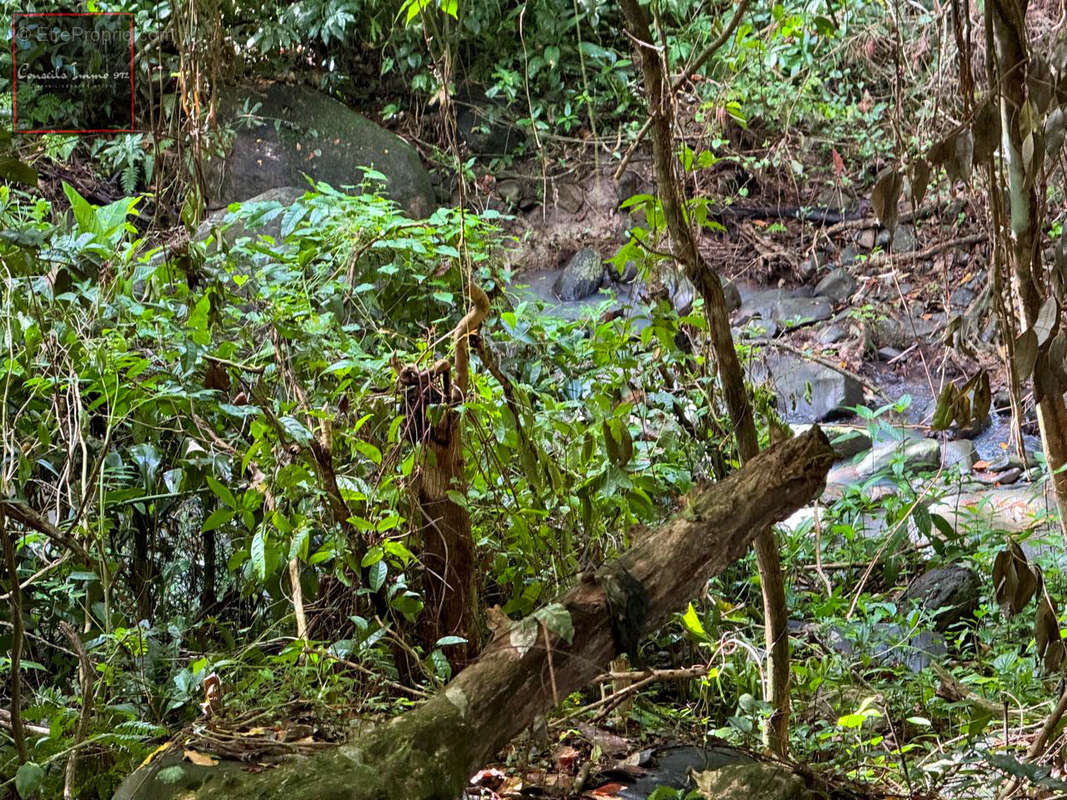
284, 132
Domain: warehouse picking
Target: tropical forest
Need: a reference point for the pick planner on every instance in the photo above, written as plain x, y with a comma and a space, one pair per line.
513, 399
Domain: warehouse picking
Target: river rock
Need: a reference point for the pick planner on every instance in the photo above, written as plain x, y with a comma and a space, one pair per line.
581, 277
954, 589
831, 334
794, 312
959, 452
897, 645
757, 779
1009, 476
838, 285
918, 455
756, 328
903, 239
808, 391
846, 440
732, 294
297, 130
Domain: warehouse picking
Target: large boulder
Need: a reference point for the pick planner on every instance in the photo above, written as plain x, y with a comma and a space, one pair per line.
296, 130
582, 276
808, 391
955, 590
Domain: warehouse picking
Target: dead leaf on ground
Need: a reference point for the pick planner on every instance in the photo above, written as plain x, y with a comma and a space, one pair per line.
200, 759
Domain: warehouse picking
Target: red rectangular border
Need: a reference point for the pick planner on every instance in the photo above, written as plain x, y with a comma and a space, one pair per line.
14, 71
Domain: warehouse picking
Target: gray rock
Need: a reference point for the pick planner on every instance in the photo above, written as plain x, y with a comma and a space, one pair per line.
733, 295
1011, 461
671, 766
570, 197
511, 190
961, 298
831, 334
866, 239
1009, 476
902, 241
271, 219
794, 312
918, 455
915, 654
838, 285
757, 328
297, 130
807, 391
959, 452
761, 302
956, 590
581, 277
765, 780
681, 292
848, 256
887, 353
846, 440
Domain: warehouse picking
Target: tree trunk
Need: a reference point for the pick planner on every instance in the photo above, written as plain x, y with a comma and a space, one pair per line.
429, 753
1008, 18
706, 280
450, 581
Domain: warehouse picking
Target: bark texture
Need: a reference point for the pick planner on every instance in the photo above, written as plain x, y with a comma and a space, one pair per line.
1031, 284
429, 753
706, 280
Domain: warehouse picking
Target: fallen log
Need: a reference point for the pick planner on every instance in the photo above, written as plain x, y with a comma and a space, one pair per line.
430, 752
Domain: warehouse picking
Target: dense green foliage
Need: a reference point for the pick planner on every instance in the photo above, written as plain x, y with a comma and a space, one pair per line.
165, 408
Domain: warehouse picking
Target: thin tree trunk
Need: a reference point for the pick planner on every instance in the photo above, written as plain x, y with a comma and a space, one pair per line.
1008, 18
706, 280
207, 587
450, 574
430, 752
18, 732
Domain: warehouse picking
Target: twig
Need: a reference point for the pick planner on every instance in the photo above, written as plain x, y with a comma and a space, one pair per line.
642, 679
551, 668
85, 679
680, 674
872, 222
256, 370
18, 732
885, 259
20, 512
900, 751
29, 727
